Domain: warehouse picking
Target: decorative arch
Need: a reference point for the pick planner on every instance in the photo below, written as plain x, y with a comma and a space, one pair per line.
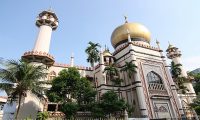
153, 77
52, 75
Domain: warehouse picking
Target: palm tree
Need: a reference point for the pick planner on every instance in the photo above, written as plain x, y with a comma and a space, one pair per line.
111, 71
176, 72
129, 68
179, 82
93, 53
19, 77
175, 69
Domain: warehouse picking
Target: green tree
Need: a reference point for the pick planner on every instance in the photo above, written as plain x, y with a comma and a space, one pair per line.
97, 110
19, 77
179, 81
129, 68
93, 53
111, 71
196, 105
64, 86
42, 116
110, 103
85, 94
69, 109
175, 70
71, 90
196, 77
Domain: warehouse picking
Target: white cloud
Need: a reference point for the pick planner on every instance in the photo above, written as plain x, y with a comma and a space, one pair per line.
191, 63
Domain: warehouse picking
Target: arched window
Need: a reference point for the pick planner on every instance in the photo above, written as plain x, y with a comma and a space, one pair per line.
52, 75
153, 77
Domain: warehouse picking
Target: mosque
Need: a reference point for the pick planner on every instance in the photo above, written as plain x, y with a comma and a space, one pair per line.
151, 89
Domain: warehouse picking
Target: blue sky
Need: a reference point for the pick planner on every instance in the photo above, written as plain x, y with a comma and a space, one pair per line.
81, 21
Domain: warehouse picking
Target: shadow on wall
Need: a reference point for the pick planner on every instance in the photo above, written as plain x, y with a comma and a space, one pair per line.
29, 109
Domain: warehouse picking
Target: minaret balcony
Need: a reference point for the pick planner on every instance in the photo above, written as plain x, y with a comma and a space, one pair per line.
42, 57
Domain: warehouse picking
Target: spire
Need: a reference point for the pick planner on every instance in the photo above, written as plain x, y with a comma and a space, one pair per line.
72, 60
101, 56
125, 18
158, 43
170, 45
50, 9
129, 36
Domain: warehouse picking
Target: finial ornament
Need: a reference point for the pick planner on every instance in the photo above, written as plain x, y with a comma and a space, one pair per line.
125, 18
129, 37
169, 43
127, 31
50, 9
72, 55
157, 42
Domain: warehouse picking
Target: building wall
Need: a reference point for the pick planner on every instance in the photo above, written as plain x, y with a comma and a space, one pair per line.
147, 60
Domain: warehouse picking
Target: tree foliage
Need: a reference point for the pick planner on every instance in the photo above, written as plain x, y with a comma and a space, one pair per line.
175, 69
111, 103
129, 68
111, 71
93, 53
196, 104
19, 77
176, 72
108, 105
64, 86
73, 91
69, 109
84, 92
42, 116
196, 77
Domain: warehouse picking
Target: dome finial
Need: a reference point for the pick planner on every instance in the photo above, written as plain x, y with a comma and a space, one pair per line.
170, 45
50, 9
157, 42
125, 18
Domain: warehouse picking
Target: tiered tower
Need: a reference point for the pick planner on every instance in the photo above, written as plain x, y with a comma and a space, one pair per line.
47, 21
174, 54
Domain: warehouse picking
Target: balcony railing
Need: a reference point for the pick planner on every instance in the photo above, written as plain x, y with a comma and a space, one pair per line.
156, 86
157, 89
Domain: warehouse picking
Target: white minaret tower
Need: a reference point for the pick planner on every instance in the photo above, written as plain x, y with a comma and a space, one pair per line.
72, 60
174, 54
47, 21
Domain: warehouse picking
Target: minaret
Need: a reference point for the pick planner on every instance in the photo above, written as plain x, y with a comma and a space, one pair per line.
47, 21
174, 54
72, 60
102, 67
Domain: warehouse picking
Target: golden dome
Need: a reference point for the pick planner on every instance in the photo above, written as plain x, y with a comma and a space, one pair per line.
107, 53
136, 30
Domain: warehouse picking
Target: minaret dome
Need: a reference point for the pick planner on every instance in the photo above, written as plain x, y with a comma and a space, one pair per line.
47, 17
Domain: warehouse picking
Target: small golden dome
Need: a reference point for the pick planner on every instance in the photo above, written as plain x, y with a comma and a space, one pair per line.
136, 30
107, 53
